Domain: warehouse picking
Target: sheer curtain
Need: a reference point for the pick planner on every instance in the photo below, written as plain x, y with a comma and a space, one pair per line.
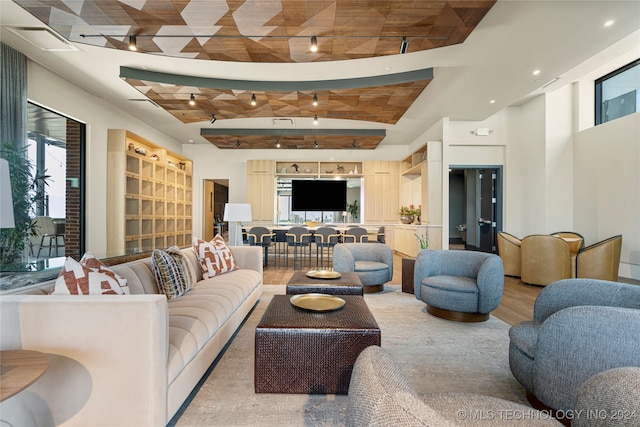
13, 96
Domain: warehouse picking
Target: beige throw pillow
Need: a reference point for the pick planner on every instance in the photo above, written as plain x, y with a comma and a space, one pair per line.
215, 256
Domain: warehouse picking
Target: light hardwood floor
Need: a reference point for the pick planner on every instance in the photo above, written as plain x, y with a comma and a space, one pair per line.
517, 299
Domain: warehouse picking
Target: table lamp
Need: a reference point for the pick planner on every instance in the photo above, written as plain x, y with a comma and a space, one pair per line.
235, 213
6, 200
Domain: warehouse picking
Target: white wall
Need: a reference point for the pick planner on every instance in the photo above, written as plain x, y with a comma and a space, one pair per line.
607, 187
559, 160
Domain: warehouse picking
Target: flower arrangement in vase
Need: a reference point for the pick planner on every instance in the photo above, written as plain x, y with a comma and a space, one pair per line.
410, 214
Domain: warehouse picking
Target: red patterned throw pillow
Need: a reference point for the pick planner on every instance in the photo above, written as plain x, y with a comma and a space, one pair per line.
88, 277
215, 256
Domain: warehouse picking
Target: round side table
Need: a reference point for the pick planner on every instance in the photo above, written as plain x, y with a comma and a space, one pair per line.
19, 369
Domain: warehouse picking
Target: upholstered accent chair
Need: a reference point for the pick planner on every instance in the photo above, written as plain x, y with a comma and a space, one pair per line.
464, 286
372, 262
509, 251
580, 327
545, 259
600, 260
261, 236
380, 394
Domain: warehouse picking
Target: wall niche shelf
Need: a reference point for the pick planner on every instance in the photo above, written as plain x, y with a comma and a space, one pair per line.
150, 195
319, 169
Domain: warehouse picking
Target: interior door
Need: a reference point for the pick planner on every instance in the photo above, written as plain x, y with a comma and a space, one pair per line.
487, 222
208, 205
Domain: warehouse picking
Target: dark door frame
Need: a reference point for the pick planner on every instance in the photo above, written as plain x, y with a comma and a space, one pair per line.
499, 193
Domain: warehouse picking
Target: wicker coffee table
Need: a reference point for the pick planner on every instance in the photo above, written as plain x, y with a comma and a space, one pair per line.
308, 352
348, 284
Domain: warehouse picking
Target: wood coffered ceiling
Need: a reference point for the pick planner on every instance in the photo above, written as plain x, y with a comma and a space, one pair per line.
381, 99
271, 31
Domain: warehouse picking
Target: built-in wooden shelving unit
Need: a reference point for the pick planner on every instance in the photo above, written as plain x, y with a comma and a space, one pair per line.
149, 198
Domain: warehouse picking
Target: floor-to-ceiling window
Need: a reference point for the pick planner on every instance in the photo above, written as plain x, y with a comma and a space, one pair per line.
55, 146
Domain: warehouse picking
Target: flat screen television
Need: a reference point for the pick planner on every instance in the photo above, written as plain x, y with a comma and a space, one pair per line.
318, 195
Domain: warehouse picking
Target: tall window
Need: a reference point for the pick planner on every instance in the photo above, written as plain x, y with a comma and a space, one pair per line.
617, 93
48, 151
56, 144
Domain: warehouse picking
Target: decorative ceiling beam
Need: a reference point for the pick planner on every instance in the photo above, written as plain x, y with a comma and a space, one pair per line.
294, 132
307, 85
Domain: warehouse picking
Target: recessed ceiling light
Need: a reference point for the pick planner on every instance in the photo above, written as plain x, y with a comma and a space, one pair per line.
493, 101
536, 72
609, 23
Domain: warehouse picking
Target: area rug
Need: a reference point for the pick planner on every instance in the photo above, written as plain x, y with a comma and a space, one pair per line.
437, 355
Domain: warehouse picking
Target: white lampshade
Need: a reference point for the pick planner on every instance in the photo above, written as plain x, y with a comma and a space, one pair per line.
6, 201
237, 212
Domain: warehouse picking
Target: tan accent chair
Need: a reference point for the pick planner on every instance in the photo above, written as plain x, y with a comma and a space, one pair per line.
600, 260
509, 251
545, 259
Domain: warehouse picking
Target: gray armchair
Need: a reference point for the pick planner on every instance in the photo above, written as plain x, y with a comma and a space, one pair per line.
459, 285
580, 327
381, 395
373, 262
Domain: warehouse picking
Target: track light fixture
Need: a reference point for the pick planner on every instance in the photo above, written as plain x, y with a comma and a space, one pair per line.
314, 44
315, 143
253, 99
315, 119
404, 45
315, 100
237, 143
353, 144
212, 120
192, 100
133, 44
277, 144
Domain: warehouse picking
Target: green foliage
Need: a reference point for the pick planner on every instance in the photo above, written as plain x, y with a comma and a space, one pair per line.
423, 240
353, 209
26, 200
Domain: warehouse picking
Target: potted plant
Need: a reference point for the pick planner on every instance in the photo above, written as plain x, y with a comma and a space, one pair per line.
410, 214
423, 239
25, 186
352, 209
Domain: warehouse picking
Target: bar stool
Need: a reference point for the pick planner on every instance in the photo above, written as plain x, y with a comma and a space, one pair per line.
299, 238
325, 237
280, 246
356, 235
261, 236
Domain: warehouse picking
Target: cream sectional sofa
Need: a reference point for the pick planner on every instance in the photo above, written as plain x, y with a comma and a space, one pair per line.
124, 360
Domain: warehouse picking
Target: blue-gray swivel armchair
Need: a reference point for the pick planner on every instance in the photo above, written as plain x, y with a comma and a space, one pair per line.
464, 286
580, 327
372, 262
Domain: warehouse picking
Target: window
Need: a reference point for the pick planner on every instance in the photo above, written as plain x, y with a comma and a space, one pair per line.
56, 144
617, 93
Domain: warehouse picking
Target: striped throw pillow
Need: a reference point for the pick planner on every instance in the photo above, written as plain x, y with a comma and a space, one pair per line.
215, 256
173, 277
88, 277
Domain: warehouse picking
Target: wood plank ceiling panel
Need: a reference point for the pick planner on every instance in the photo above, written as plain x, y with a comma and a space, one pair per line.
270, 31
265, 31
